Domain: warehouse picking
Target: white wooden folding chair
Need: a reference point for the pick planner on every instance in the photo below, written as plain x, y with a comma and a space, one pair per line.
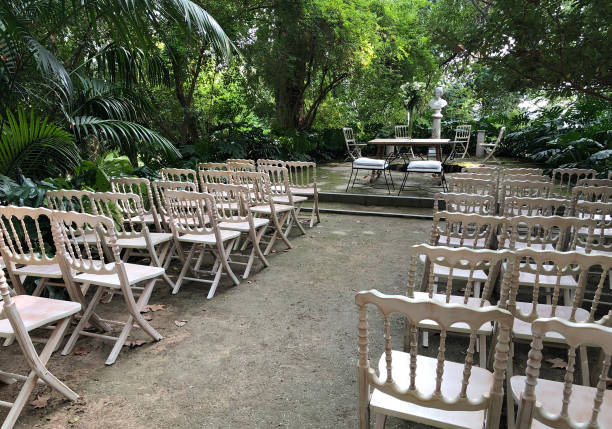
179, 175
428, 390
233, 203
564, 404
271, 163
280, 192
88, 264
194, 222
491, 148
208, 177
262, 204
140, 186
133, 236
547, 269
566, 178
464, 203
20, 315
535, 206
471, 268
353, 149
303, 182
159, 188
462, 140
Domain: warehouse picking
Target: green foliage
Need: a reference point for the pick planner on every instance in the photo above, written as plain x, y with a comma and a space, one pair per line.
40, 149
29, 193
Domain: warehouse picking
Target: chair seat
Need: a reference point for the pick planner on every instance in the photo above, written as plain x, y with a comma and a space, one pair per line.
36, 312
424, 167
522, 329
209, 238
148, 218
481, 381
51, 271
285, 200
455, 299
443, 271
370, 163
244, 226
265, 209
302, 191
550, 394
140, 242
135, 273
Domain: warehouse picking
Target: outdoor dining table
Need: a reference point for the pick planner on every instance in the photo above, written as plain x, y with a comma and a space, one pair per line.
408, 142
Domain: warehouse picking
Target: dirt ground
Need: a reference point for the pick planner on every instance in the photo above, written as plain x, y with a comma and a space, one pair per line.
278, 350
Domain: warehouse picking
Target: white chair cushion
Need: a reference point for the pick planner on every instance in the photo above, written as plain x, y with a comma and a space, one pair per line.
425, 166
374, 164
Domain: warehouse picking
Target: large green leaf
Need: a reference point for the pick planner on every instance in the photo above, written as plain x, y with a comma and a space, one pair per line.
40, 149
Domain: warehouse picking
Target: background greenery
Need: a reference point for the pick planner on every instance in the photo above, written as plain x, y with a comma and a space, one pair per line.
96, 88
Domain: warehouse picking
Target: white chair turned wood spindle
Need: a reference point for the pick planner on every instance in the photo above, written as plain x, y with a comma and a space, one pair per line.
133, 237
233, 204
159, 189
428, 390
566, 178
528, 206
523, 188
453, 202
262, 204
88, 264
70, 200
215, 177
462, 140
564, 404
194, 222
472, 268
20, 315
179, 175
142, 187
303, 183
280, 192
353, 148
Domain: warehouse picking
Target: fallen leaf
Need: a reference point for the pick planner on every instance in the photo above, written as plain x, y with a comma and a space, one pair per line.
557, 363
180, 323
40, 402
81, 351
74, 419
153, 307
147, 316
135, 343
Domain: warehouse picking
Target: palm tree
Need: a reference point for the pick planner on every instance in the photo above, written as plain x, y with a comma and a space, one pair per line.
81, 62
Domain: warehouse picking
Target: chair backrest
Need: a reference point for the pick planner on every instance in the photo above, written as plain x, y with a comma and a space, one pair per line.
214, 176
527, 206
140, 186
179, 175
443, 395
126, 209
70, 200
601, 214
566, 178
212, 166
462, 133
482, 170
511, 171
401, 131
526, 177
492, 150
23, 236
231, 201
540, 232
523, 188
302, 174
481, 176
592, 193
159, 190
258, 183
594, 182
546, 269
464, 203
279, 181
240, 165
464, 230
192, 213
270, 162
575, 334
473, 186
349, 137
68, 230
240, 161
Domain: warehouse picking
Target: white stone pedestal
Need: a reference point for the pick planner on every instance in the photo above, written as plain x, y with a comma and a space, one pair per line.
436, 125
480, 139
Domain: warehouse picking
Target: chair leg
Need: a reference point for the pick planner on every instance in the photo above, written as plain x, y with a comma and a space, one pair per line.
40, 287
381, 419
509, 398
294, 217
222, 257
349, 181
386, 182
95, 300
183, 272
255, 251
403, 183
278, 232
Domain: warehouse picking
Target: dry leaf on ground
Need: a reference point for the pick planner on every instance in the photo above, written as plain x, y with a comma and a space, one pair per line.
153, 307
557, 363
134, 343
180, 323
40, 402
147, 316
81, 351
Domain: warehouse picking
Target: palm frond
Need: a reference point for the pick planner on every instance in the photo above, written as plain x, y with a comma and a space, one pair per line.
124, 135
39, 148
